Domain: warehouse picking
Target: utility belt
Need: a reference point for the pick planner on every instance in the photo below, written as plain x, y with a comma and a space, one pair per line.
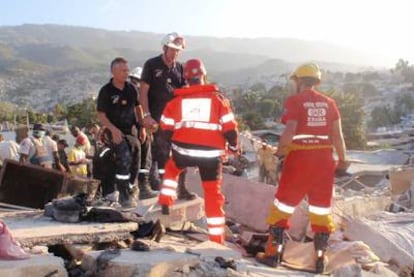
309, 142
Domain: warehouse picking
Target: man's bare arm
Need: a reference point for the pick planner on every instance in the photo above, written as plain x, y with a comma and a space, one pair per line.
338, 140
286, 137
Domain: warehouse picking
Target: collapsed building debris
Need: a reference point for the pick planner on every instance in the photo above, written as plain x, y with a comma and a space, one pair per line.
179, 252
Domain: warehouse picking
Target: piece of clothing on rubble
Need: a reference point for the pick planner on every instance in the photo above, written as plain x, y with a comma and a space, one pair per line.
9, 248
70, 209
107, 215
199, 122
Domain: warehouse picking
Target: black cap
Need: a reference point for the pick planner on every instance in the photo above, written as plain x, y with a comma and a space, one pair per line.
39, 127
63, 142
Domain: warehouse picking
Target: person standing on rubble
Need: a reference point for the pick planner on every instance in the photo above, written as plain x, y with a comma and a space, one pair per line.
117, 108
199, 122
146, 157
77, 158
161, 75
313, 129
33, 149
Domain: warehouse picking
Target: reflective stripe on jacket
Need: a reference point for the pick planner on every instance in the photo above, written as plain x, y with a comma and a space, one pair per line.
199, 115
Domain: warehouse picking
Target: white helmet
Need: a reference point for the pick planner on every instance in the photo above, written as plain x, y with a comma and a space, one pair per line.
136, 73
173, 40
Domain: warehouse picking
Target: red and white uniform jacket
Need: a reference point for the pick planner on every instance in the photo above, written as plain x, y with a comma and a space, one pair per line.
199, 121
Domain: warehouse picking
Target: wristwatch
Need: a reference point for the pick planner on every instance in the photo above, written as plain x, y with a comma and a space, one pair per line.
147, 114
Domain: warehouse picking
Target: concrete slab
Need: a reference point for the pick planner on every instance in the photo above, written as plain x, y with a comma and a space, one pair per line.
31, 230
247, 202
154, 263
36, 266
180, 212
210, 250
388, 235
359, 206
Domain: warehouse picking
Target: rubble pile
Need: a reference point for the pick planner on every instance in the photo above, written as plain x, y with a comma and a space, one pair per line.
372, 212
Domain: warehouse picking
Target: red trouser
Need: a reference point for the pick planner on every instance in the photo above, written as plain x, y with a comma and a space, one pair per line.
311, 173
210, 169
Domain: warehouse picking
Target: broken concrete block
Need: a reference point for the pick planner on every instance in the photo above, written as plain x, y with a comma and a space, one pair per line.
131, 263
31, 230
210, 250
359, 206
376, 237
37, 265
400, 178
180, 212
247, 202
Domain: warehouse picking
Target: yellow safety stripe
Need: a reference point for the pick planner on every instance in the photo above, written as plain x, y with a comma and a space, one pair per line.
294, 147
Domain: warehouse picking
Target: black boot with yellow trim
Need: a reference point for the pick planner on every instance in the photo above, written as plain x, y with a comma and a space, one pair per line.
274, 248
321, 243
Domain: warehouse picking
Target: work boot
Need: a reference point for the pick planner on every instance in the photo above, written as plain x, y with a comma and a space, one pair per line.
182, 192
125, 198
274, 248
278, 241
155, 184
145, 191
321, 243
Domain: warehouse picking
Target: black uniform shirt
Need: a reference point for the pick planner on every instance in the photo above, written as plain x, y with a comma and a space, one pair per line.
119, 106
162, 81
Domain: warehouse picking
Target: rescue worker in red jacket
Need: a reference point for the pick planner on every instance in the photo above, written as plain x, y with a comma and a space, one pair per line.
313, 129
199, 122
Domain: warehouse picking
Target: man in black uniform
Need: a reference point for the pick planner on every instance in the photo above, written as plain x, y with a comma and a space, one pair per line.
146, 157
117, 108
161, 75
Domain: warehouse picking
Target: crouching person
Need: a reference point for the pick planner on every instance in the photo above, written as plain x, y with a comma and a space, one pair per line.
199, 122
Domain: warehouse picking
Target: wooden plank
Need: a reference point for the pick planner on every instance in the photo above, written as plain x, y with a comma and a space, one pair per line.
29, 185
15, 207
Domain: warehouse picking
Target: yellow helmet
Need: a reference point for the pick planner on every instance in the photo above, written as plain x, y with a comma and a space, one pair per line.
307, 70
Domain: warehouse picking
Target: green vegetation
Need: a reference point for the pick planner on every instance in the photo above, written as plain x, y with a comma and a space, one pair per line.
258, 103
80, 114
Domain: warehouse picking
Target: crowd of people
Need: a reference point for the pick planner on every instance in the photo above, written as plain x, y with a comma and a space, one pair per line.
159, 119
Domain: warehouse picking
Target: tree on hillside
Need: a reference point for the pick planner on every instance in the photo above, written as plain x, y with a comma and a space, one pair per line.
406, 70
266, 107
383, 116
278, 94
352, 113
7, 111
59, 111
82, 114
254, 120
364, 89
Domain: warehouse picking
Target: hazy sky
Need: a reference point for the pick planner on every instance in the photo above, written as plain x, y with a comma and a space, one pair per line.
381, 26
